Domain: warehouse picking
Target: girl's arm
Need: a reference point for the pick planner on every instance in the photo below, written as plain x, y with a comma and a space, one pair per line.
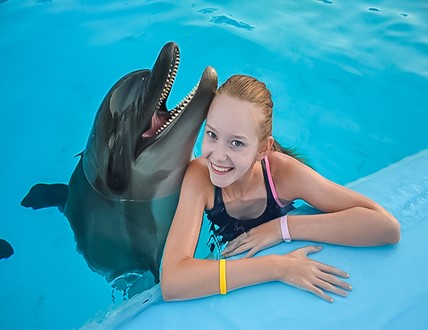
184, 277
350, 218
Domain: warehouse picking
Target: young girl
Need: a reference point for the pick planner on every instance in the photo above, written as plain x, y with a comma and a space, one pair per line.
246, 184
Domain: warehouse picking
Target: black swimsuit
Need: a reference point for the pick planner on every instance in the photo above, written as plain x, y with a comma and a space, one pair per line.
226, 228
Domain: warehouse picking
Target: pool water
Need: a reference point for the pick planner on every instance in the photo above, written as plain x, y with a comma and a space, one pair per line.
348, 79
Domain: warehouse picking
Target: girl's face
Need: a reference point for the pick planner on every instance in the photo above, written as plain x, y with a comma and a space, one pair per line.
231, 141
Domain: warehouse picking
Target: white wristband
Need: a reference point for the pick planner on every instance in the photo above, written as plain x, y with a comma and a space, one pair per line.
284, 229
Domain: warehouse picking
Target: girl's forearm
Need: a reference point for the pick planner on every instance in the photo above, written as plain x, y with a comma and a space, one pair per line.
357, 226
193, 278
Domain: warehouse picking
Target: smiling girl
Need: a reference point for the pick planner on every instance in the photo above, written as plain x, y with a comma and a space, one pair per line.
246, 184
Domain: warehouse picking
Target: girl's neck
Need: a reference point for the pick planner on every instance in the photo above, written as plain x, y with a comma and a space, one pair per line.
246, 185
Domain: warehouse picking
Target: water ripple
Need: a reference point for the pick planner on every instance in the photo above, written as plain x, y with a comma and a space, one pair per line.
207, 10
374, 9
226, 20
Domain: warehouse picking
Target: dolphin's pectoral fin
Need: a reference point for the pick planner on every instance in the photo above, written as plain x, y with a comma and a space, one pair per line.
6, 250
46, 195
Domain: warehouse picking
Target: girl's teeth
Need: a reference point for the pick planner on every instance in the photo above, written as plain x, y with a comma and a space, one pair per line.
220, 169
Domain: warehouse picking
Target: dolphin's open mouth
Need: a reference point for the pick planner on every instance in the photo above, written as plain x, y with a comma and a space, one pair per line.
135, 136
162, 118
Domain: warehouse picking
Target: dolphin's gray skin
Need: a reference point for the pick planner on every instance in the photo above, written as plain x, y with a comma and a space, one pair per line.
122, 195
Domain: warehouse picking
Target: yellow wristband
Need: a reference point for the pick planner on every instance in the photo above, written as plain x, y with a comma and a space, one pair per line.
223, 286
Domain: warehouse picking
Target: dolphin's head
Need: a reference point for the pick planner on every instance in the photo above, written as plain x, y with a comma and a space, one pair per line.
138, 149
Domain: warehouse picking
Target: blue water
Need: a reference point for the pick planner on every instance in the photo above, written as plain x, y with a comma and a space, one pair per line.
349, 81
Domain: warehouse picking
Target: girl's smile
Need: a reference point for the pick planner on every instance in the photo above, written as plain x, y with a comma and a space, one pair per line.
220, 170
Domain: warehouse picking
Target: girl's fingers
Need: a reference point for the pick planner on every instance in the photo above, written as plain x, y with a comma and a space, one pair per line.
315, 276
252, 252
332, 270
240, 249
241, 239
309, 249
334, 281
318, 292
329, 287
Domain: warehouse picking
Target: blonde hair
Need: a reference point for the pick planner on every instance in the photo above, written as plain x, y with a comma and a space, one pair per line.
250, 89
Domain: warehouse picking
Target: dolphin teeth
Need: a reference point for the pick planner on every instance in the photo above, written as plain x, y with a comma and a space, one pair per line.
174, 113
173, 68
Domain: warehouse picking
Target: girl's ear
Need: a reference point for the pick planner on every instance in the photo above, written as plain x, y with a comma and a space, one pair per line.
265, 148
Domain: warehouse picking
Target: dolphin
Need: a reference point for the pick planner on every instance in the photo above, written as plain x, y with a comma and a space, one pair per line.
123, 193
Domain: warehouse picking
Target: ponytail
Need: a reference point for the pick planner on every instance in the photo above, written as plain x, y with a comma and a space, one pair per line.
292, 152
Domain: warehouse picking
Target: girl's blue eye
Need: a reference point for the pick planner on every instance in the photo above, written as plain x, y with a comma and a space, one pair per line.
211, 134
237, 143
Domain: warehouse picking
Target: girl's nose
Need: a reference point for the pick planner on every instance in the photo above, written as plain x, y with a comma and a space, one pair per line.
219, 153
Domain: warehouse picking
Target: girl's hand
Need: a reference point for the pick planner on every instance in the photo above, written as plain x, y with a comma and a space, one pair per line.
297, 270
258, 238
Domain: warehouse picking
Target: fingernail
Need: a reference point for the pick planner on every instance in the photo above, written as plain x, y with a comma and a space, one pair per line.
331, 300
348, 276
350, 287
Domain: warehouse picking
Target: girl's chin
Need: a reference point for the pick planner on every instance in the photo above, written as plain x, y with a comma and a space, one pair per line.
221, 181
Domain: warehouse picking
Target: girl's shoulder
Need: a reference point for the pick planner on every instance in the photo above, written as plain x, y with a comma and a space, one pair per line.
292, 178
197, 178
198, 168
281, 164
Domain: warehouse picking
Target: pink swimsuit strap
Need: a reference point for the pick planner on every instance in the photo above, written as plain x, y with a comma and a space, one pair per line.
271, 184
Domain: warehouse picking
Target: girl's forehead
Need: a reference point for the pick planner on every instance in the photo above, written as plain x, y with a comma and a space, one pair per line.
234, 116
225, 106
